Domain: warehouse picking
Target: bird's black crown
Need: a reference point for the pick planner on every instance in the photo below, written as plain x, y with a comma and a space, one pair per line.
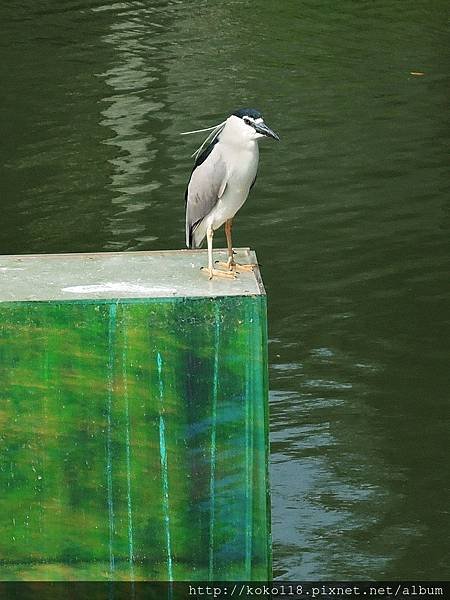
248, 112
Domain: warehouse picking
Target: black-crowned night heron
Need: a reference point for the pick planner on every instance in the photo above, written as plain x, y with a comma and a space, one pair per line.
223, 174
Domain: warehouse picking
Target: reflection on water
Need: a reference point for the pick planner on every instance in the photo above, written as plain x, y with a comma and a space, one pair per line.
349, 216
137, 92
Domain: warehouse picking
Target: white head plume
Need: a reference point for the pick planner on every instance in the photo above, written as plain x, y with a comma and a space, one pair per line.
215, 130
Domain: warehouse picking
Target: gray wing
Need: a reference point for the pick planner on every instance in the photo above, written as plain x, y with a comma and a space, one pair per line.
206, 185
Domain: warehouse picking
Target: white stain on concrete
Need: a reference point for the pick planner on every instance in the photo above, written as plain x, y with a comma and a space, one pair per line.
120, 287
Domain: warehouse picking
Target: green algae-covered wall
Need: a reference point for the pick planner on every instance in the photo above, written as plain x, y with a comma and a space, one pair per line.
133, 439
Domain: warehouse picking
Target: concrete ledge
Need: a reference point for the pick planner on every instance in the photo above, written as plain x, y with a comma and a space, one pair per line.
121, 275
134, 425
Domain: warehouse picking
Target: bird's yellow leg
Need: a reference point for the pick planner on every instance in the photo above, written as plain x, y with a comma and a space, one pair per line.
228, 226
231, 265
212, 272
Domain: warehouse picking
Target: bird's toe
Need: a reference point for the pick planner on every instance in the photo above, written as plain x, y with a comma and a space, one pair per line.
218, 273
236, 267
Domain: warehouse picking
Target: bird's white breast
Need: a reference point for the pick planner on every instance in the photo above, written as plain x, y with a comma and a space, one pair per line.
242, 165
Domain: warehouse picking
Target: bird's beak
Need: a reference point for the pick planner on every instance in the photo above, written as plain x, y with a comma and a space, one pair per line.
264, 130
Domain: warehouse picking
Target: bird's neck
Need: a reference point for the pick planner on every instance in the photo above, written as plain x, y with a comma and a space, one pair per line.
231, 136
241, 147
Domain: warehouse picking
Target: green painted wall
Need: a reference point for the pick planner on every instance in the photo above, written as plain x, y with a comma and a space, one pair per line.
133, 439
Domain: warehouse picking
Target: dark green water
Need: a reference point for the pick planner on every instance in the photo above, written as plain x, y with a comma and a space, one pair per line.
350, 219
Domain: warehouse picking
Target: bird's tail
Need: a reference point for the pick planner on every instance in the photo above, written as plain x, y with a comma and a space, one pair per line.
195, 234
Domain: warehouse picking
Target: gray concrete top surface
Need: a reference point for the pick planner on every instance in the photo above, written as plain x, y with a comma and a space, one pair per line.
121, 275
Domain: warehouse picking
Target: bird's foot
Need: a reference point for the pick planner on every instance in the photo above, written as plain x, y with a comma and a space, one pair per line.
238, 267
235, 267
218, 273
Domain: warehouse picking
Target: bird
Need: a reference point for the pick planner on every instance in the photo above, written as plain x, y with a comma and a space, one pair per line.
224, 172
